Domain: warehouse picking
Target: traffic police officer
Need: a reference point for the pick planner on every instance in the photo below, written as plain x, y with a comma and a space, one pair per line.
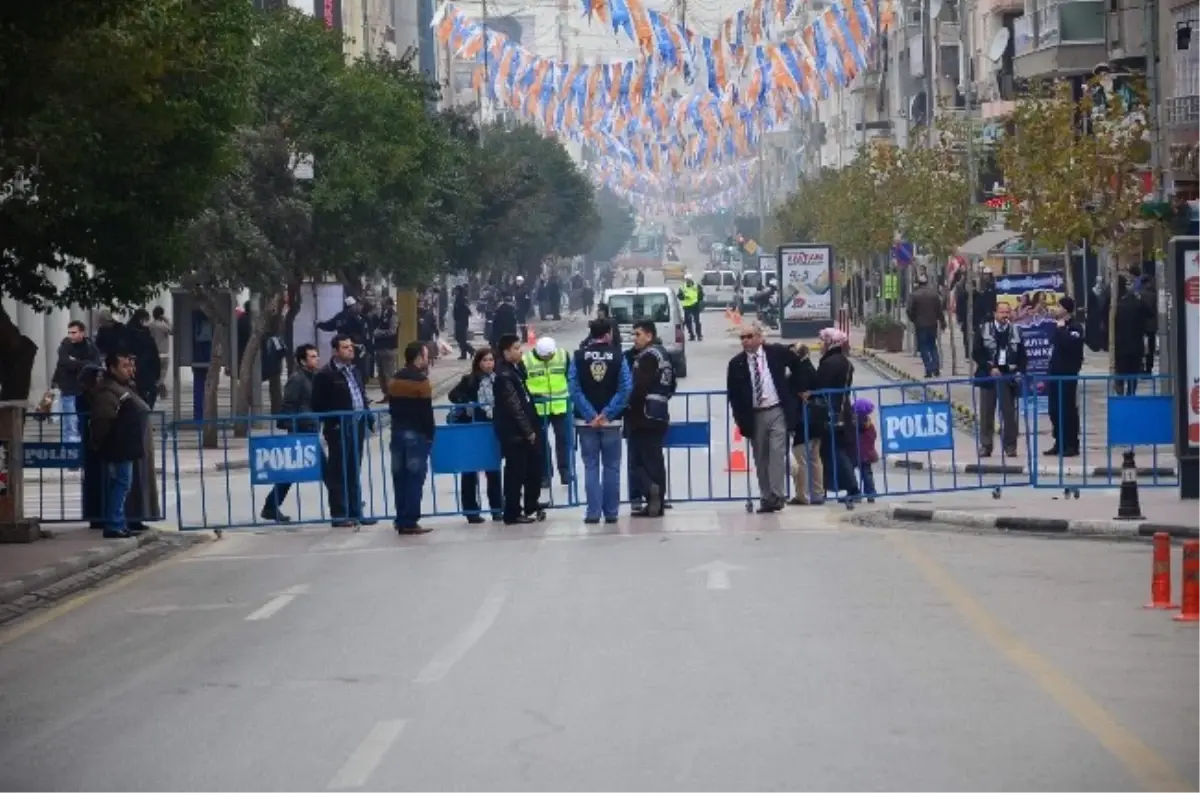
691, 298
546, 378
600, 383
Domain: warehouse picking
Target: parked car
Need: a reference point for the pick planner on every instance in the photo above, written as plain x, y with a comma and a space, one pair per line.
720, 288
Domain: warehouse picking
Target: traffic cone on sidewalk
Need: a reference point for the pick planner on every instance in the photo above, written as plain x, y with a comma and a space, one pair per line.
738, 464
1191, 583
1160, 574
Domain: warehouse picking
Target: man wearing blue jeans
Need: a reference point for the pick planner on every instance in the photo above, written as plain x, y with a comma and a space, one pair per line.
410, 403
927, 314
599, 382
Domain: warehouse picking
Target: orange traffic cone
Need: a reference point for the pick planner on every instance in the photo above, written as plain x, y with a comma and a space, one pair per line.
738, 464
530, 336
1191, 583
1160, 574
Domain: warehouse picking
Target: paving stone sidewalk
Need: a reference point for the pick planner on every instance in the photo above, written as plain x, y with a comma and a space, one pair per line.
1098, 457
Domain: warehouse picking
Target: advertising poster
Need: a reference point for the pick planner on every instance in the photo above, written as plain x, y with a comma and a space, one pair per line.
1191, 323
806, 283
1033, 298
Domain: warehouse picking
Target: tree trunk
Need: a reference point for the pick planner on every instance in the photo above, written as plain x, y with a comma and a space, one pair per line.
247, 380
210, 435
18, 354
295, 297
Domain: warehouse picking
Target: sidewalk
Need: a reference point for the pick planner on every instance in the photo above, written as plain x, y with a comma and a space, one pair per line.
1097, 459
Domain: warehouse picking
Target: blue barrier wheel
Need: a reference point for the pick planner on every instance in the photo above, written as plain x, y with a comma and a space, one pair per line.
1071, 491
219, 533
995, 492
749, 506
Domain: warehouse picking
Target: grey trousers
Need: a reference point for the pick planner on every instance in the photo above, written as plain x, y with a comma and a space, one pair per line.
1006, 395
770, 448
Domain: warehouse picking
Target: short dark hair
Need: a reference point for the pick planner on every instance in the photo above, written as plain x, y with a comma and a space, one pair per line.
159, 312
77, 324
599, 328
508, 340
115, 357
647, 326
338, 339
303, 350
412, 351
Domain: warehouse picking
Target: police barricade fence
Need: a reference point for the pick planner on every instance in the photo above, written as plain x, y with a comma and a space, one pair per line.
64, 481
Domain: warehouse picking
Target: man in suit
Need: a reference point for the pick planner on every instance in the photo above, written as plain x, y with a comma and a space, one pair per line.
338, 388
764, 409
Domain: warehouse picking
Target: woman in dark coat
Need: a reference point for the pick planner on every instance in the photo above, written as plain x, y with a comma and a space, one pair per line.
93, 485
476, 389
835, 373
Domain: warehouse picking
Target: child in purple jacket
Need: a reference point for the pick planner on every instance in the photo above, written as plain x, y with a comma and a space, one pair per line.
864, 452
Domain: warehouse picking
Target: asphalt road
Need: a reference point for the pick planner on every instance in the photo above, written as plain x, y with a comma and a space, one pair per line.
712, 650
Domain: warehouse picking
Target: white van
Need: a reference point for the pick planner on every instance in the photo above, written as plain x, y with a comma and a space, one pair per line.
720, 289
657, 304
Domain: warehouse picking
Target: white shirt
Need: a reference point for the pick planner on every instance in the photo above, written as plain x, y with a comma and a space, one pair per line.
769, 396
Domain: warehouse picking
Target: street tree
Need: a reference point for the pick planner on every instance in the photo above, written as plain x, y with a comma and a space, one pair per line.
118, 119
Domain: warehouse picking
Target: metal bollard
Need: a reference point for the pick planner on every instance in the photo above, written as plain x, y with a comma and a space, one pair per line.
1130, 507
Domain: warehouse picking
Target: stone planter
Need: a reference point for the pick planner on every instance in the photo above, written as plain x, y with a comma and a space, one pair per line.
886, 339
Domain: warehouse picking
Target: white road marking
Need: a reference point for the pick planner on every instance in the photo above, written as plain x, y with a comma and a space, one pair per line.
276, 604
367, 757
717, 574
453, 652
159, 611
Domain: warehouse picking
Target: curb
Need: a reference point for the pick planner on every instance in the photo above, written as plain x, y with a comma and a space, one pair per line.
47, 576
1033, 525
1076, 471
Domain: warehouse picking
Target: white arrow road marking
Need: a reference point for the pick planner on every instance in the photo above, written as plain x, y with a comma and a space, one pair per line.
160, 611
367, 757
717, 573
277, 603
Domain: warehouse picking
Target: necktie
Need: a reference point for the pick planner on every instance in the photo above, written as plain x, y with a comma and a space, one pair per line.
756, 379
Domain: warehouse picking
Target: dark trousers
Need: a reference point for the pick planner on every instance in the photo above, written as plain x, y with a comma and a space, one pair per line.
562, 455
647, 462
838, 470
342, 474
522, 478
470, 492
1151, 348
1127, 368
460, 336
277, 495
1062, 403
691, 319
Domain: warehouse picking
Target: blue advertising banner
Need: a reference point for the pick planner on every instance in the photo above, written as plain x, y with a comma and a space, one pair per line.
916, 427
1033, 298
53, 455
285, 458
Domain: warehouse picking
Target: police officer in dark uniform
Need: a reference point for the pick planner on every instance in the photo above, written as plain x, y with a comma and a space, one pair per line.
1062, 396
599, 382
648, 417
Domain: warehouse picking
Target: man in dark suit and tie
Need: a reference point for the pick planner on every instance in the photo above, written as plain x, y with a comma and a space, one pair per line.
764, 409
338, 389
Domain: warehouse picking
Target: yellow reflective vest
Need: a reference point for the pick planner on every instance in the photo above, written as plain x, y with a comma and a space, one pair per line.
548, 380
690, 295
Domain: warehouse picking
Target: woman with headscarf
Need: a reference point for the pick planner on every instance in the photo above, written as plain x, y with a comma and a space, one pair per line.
835, 375
476, 394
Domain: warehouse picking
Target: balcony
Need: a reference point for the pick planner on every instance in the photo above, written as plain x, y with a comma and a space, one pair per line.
1183, 111
1070, 40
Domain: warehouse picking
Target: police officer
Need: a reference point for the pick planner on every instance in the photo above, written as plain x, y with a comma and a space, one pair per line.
600, 384
648, 417
691, 299
1066, 359
546, 378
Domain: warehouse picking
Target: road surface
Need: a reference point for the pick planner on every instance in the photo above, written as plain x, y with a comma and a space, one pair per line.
712, 650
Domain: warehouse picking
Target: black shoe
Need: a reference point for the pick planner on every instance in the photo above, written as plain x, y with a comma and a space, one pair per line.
498, 517
1051, 452
137, 528
640, 513
519, 520
565, 479
99, 526
116, 534
343, 523
475, 519
985, 453
277, 517
611, 520
766, 509
538, 516
1072, 452
654, 502
366, 521
1010, 452
591, 521
412, 530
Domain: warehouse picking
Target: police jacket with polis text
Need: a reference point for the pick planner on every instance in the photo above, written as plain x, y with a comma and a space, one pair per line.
599, 382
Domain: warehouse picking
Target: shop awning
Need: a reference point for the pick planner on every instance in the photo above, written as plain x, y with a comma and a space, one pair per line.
984, 244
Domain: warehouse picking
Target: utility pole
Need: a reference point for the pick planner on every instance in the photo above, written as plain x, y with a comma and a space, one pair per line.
927, 55
481, 92
1153, 90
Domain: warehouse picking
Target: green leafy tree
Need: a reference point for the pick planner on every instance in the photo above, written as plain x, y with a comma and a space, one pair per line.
117, 121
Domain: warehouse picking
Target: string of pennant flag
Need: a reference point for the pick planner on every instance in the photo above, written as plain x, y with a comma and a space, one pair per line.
743, 84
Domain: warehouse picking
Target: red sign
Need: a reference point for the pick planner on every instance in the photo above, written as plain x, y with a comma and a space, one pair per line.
1191, 291
328, 13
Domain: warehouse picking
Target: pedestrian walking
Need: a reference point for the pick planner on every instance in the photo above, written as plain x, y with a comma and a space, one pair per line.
74, 353
927, 314
461, 314
476, 394
599, 382
812, 423
385, 334
515, 422
339, 394
297, 404
1062, 391
410, 406
1129, 334
1000, 360
764, 409
648, 418
162, 331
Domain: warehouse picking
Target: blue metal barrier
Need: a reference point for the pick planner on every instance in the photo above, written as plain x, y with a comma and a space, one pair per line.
64, 482
1117, 413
